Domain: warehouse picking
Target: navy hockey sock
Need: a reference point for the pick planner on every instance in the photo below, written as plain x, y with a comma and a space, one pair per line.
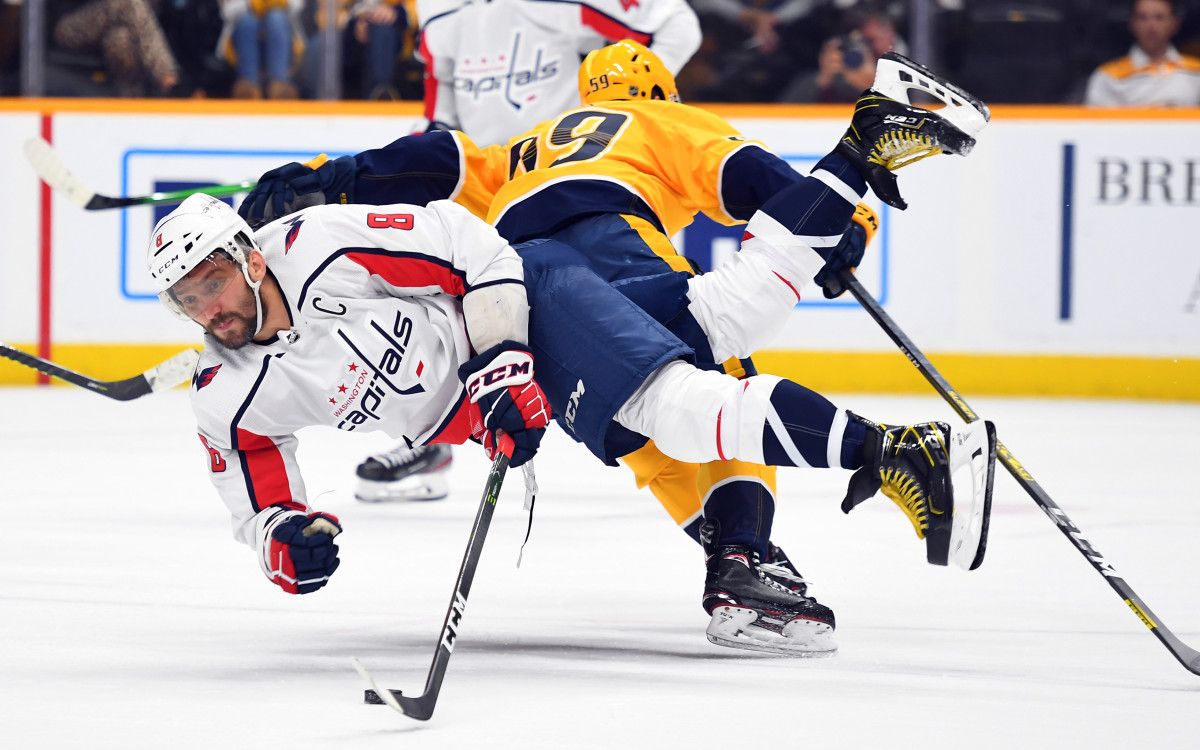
744, 511
810, 431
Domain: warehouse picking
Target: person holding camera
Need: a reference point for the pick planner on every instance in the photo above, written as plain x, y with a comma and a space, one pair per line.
846, 63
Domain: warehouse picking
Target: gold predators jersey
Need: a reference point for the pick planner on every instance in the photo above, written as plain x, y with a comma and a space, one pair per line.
659, 160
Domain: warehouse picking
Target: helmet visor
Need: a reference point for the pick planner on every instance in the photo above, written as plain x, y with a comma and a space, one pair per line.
196, 292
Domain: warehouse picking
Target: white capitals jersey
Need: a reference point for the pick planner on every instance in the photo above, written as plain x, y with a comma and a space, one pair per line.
374, 294
496, 68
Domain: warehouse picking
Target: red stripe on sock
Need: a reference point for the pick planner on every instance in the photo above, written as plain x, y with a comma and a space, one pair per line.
789, 285
719, 451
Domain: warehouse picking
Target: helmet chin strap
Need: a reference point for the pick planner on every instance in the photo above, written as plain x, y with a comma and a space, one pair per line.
256, 287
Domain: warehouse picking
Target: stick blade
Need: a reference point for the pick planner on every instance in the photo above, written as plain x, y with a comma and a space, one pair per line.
50, 167
414, 708
175, 371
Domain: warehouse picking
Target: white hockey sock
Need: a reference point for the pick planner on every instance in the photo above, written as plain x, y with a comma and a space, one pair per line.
743, 304
698, 416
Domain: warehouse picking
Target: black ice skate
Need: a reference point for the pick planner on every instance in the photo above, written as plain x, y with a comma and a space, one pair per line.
404, 473
751, 610
940, 478
888, 132
780, 569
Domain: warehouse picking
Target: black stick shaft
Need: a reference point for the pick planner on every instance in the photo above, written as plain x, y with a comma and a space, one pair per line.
1187, 656
421, 707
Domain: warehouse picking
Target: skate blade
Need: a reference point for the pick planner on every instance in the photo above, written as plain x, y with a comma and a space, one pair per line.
972, 467
737, 627
410, 489
896, 75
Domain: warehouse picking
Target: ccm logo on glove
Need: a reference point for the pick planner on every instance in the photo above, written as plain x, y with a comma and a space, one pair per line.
514, 409
516, 370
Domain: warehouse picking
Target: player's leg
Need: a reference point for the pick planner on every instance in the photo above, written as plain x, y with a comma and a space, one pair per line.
743, 304
755, 597
941, 477
888, 131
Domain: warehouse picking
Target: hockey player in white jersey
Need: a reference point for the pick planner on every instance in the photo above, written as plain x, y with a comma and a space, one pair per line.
363, 317
495, 68
361, 322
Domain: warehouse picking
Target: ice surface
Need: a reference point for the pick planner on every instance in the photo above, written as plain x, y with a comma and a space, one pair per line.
130, 619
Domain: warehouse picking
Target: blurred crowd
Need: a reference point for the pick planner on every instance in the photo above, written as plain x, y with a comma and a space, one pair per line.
1101, 52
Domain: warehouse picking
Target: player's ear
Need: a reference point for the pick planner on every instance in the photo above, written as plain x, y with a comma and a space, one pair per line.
256, 265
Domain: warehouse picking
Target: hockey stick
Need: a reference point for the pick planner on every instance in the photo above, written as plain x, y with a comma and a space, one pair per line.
1187, 656
50, 167
421, 707
176, 370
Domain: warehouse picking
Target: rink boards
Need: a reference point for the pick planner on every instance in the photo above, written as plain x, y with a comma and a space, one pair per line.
1060, 258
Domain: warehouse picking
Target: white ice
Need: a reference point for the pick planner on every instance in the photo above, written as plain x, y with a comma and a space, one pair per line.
130, 619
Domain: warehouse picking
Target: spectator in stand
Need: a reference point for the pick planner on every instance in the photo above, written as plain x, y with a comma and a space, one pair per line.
10, 40
127, 35
258, 34
494, 69
846, 65
753, 47
1154, 73
372, 35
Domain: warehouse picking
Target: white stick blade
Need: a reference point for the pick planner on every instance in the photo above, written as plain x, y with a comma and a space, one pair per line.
175, 371
383, 693
49, 166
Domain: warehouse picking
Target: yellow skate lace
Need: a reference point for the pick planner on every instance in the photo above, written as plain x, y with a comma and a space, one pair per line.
900, 148
903, 488
897, 148
904, 491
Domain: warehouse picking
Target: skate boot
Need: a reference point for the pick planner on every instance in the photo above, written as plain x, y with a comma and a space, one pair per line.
404, 473
888, 132
751, 610
780, 569
941, 478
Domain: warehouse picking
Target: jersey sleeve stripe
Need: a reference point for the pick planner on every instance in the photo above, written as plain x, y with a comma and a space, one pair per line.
403, 270
265, 471
610, 28
462, 163
431, 82
495, 282
262, 473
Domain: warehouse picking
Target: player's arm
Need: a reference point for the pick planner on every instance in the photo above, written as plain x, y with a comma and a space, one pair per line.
733, 180
669, 27
416, 169
441, 111
259, 481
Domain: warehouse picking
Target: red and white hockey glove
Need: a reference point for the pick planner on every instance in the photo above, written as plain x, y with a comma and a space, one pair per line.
515, 411
297, 552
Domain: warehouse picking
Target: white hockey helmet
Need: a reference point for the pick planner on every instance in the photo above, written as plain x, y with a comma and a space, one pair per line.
199, 227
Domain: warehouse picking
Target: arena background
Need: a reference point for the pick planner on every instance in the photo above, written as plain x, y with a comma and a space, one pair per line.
1059, 259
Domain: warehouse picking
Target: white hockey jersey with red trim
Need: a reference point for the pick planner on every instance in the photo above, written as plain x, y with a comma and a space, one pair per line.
374, 294
495, 68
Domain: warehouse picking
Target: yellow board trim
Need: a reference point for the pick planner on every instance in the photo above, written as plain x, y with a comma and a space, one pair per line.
1069, 376
98, 361
1058, 375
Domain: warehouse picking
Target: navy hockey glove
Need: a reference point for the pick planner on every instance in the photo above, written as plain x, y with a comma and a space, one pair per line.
515, 411
292, 187
299, 552
849, 252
